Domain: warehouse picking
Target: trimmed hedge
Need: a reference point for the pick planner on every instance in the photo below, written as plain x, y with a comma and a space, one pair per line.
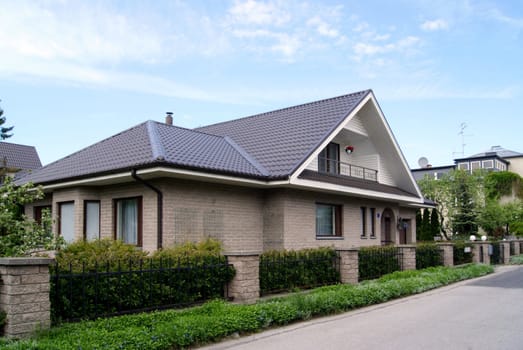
216, 320
374, 262
460, 257
428, 255
307, 268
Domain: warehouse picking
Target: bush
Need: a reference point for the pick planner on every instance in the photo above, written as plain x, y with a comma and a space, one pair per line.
106, 277
460, 257
286, 270
216, 320
428, 255
516, 260
374, 262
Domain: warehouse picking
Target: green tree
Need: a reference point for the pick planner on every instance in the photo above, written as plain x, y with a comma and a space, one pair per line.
464, 217
425, 226
4, 131
418, 225
20, 236
434, 223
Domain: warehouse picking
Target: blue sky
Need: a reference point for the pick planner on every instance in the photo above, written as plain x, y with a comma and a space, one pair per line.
75, 72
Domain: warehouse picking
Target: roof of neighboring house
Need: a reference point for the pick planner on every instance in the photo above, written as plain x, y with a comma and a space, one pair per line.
270, 145
21, 157
496, 151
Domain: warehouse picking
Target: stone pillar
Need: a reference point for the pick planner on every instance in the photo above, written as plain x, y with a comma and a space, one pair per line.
349, 266
448, 253
409, 257
245, 286
516, 246
505, 246
480, 251
24, 295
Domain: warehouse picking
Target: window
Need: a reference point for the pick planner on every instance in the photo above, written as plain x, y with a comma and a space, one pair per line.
328, 220
488, 164
372, 222
66, 221
475, 165
463, 166
328, 159
363, 221
92, 220
38, 210
128, 220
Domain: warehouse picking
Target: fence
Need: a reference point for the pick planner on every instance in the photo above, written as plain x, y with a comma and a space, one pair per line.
375, 262
116, 289
284, 271
428, 255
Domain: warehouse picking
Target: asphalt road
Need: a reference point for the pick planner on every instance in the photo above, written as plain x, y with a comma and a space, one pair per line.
485, 313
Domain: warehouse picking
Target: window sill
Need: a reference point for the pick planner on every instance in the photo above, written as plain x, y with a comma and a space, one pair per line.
363, 237
372, 237
330, 238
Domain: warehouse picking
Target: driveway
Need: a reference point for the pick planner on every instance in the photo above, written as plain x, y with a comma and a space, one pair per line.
485, 313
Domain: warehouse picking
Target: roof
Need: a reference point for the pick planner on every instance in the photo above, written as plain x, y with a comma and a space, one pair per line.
270, 145
496, 151
15, 156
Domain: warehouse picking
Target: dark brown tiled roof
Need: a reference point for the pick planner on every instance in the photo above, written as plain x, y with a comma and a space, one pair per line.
17, 156
354, 182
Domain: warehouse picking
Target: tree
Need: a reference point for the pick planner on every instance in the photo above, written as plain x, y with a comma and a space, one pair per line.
434, 223
4, 130
464, 219
418, 225
20, 236
425, 226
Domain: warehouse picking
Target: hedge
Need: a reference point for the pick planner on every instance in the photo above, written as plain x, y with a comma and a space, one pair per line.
428, 255
460, 257
374, 262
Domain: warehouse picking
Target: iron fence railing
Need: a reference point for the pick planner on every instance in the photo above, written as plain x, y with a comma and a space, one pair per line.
375, 262
84, 291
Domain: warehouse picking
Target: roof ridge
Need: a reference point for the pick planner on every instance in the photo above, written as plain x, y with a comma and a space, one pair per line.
247, 156
187, 129
287, 108
155, 140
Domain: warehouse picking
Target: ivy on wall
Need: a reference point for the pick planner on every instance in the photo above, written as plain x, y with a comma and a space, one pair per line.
499, 184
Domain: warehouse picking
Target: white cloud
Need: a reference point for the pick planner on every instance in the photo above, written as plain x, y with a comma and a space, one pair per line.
322, 27
366, 49
434, 25
258, 13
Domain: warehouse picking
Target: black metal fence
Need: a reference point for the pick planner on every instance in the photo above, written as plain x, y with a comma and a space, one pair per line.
374, 262
286, 271
428, 255
86, 292
496, 253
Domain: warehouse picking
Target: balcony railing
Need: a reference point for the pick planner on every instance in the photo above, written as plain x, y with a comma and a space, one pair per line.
335, 167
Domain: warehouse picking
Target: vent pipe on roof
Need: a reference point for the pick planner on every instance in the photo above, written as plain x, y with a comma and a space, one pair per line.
169, 118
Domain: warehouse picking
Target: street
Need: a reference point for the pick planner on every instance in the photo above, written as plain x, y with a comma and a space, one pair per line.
485, 313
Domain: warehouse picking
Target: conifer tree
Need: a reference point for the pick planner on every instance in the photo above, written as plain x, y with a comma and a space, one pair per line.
434, 223
4, 131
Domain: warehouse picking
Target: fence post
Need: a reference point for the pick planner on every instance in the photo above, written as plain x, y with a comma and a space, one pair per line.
349, 266
24, 295
516, 246
245, 286
448, 253
506, 251
481, 252
408, 253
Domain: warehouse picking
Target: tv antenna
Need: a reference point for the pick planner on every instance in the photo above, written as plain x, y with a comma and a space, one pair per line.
461, 132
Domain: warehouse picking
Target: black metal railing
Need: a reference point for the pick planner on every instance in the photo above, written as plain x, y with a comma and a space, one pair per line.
428, 256
496, 256
335, 167
374, 262
84, 291
285, 273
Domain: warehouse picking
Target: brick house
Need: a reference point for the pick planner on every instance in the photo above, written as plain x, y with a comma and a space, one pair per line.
17, 160
326, 173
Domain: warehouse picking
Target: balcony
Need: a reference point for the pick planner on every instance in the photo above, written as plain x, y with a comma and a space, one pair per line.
335, 167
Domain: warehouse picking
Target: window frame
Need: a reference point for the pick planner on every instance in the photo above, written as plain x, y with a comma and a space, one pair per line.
139, 204
37, 212
363, 211
86, 202
328, 162
60, 221
463, 166
337, 220
372, 222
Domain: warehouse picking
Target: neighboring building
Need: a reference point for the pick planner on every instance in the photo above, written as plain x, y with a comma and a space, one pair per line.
495, 159
17, 159
326, 173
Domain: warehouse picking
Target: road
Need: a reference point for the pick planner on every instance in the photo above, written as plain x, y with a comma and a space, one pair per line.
485, 313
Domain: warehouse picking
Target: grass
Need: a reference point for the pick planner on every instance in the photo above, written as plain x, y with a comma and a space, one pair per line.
216, 320
516, 260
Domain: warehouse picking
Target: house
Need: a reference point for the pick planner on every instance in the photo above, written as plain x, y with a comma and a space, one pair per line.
326, 173
17, 159
496, 158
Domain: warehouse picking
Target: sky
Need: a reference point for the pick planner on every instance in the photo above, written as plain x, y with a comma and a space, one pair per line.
448, 75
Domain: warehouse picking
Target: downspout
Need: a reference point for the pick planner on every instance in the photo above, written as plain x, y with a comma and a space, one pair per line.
159, 206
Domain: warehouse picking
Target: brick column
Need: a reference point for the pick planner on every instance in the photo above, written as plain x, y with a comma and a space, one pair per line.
409, 257
448, 253
24, 295
349, 266
516, 246
245, 286
477, 248
506, 251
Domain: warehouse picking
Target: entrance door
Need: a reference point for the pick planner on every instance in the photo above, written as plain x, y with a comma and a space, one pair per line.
387, 219
387, 238
403, 235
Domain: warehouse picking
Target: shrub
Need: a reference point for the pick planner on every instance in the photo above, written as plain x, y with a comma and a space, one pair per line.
516, 260
460, 257
374, 262
428, 255
286, 270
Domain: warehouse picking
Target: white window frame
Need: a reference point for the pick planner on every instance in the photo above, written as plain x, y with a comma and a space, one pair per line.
66, 227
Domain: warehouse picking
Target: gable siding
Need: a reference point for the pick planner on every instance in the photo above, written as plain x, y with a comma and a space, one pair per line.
356, 125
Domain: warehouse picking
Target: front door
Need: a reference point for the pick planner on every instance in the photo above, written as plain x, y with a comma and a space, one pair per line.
387, 238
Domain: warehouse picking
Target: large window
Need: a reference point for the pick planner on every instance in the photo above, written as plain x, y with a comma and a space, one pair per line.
92, 220
128, 220
329, 159
363, 211
372, 222
66, 221
328, 220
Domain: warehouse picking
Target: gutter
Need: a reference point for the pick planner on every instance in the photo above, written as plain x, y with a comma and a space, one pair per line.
159, 207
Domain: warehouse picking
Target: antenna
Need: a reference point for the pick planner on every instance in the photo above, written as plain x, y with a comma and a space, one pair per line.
461, 132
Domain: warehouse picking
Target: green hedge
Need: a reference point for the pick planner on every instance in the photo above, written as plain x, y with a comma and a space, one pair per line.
460, 257
307, 268
216, 320
109, 277
374, 262
428, 255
